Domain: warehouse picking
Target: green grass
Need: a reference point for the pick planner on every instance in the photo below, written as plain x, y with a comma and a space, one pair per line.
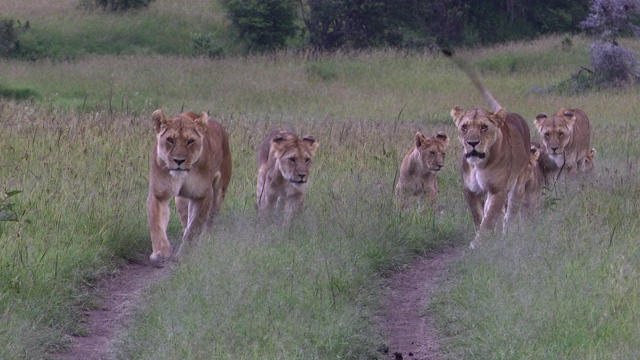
562, 287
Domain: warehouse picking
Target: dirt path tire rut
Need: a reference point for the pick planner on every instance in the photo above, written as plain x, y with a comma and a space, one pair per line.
410, 334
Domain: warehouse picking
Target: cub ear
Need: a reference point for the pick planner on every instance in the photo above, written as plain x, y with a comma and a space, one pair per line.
159, 120
311, 142
539, 120
443, 138
457, 113
420, 139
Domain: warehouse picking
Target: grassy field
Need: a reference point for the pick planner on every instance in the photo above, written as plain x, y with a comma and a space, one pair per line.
563, 286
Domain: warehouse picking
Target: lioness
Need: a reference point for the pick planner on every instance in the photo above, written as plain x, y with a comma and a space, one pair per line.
495, 159
565, 138
284, 161
191, 160
419, 170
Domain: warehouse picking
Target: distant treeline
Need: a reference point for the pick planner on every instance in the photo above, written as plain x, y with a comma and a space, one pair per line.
332, 24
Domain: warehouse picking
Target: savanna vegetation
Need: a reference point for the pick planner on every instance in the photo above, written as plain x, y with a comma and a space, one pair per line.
73, 170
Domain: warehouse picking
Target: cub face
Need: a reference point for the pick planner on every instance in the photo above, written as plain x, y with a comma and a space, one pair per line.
432, 150
294, 156
555, 131
478, 130
180, 141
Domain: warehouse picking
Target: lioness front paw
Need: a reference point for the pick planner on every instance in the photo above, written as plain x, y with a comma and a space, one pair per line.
158, 259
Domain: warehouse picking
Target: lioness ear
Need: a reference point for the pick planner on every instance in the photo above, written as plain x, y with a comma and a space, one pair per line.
420, 139
203, 119
457, 113
313, 143
158, 120
570, 118
443, 138
499, 116
540, 118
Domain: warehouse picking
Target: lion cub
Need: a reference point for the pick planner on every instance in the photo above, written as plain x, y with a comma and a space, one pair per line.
191, 160
419, 171
284, 161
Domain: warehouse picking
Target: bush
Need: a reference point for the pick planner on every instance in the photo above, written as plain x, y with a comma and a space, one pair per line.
122, 5
10, 31
205, 45
264, 24
613, 63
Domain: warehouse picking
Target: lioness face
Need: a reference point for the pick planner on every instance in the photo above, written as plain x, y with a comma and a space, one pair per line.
294, 156
180, 140
555, 131
478, 129
432, 150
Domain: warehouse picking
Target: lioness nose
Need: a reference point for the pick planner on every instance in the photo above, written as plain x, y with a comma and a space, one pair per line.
473, 143
178, 161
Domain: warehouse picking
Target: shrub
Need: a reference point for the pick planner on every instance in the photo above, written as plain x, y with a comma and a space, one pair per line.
122, 5
10, 31
264, 24
205, 45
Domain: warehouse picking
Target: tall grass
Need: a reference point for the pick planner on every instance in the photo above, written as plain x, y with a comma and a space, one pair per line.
80, 153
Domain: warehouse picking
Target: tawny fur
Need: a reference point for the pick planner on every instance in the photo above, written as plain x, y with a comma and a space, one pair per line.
418, 180
565, 138
495, 164
190, 161
284, 161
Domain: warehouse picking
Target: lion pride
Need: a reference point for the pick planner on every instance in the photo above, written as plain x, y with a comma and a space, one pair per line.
419, 171
284, 162
190, 161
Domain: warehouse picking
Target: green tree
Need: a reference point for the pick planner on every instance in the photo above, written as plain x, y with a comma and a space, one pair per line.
265, 24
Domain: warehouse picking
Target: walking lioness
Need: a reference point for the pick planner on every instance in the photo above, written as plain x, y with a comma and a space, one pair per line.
495, 159
284, 161
191, 160
419, 171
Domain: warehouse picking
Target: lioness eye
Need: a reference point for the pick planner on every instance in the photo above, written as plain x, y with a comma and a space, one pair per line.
561, 134
433, 152
307, 160
292, 159
546, 135
464, 128
170, 140
484, 128
190, 141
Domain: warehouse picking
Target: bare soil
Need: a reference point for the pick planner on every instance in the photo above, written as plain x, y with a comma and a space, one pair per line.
117, 297
410, 333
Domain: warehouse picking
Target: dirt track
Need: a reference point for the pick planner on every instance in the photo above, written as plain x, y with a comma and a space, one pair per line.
410, 334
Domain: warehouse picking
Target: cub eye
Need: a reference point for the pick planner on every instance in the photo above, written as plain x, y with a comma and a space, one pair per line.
170, 140
307, 160
546, 135
432, 152
463, 128
484, 128
292, 159
190, 141
560, 134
